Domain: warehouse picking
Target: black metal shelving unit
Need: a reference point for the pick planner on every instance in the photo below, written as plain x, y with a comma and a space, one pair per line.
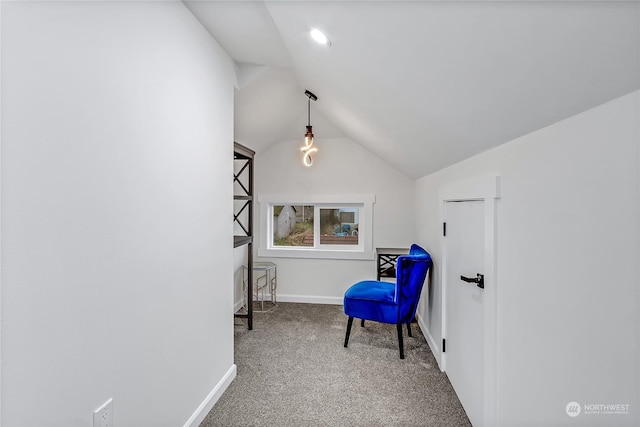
244, 156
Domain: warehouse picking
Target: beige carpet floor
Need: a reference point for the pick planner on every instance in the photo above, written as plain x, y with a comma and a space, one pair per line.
294, 371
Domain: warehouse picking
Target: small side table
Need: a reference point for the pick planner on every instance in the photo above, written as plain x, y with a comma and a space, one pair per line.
387, 258
265, 277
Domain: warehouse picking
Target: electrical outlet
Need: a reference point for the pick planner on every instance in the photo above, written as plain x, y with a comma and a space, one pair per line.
103, 416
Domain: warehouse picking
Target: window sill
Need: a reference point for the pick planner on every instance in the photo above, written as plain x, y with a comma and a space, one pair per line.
314, 253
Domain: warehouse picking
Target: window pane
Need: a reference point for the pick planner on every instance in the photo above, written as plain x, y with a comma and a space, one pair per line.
339, 226
292, 225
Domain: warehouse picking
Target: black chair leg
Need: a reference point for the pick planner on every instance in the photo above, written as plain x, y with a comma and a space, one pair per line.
349, 323
400, 343
362, 323
409, 329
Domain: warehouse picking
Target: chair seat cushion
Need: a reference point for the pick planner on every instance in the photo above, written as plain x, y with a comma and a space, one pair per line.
372, 290
372, 300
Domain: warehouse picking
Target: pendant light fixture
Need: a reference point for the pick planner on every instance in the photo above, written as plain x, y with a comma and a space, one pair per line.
308, 148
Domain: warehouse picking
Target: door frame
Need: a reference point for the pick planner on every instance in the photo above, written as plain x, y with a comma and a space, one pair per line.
486, 189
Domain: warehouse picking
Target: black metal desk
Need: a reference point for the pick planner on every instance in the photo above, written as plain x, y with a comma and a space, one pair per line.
387, 258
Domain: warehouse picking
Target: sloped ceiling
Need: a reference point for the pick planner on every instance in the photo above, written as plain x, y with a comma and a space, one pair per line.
422, 84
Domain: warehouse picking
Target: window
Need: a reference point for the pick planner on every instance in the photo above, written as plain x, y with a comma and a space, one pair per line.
293, 225
339, 226
316, 226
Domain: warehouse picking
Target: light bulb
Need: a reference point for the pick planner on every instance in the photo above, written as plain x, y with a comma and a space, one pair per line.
307, 160
308, 148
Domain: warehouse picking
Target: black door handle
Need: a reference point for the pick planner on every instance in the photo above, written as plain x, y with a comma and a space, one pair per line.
479, 280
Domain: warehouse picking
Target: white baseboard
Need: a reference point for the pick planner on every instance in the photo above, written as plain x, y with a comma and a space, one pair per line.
432, 343
310, 299
204, 408
237, 306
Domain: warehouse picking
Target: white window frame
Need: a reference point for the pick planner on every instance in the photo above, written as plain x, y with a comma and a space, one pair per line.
362, 251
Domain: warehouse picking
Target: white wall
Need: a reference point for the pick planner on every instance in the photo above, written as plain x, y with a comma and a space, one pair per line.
568, 221
116, 237
340, 167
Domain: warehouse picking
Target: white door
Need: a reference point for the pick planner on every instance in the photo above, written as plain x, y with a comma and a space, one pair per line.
464, 304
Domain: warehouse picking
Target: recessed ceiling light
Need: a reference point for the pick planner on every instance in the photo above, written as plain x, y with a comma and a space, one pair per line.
319, 37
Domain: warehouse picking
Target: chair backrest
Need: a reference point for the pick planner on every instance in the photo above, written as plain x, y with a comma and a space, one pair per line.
411, 271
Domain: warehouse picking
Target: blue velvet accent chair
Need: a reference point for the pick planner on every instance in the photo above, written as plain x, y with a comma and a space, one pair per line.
387, 302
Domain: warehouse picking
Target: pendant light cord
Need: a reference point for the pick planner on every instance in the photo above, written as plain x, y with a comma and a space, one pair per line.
310, 97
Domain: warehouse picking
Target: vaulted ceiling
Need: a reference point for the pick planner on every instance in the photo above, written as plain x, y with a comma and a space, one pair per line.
422, 84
